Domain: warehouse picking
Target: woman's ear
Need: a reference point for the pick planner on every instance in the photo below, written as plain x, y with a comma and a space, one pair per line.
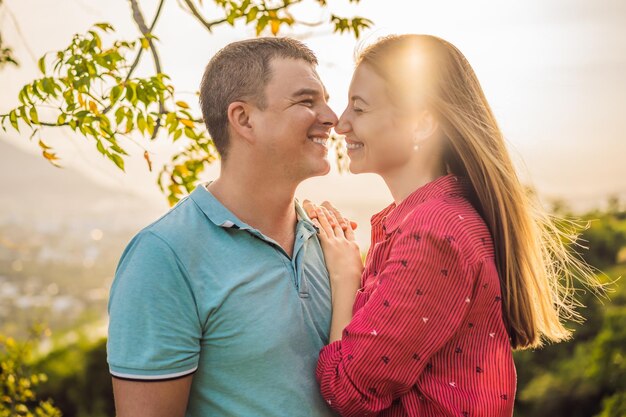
239, 119
425, 127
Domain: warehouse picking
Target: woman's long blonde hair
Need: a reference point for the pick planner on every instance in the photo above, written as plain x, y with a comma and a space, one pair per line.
535, 262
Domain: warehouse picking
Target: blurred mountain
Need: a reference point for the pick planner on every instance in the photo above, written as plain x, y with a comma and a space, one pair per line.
31, 189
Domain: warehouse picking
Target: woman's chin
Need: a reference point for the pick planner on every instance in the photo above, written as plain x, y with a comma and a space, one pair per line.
354, 168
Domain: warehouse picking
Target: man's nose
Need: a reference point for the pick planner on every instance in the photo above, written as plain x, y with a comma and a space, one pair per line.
328, 117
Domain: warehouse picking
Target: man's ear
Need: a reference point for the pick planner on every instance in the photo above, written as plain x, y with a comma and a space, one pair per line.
425, 127
239, 119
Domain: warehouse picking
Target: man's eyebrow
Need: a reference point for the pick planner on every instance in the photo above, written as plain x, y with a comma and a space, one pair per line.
309, 92
355, 98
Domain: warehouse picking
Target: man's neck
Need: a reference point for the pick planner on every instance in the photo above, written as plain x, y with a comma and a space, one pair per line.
262, 204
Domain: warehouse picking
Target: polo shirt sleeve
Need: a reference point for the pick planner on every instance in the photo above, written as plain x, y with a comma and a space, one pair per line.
420, 302
154, 328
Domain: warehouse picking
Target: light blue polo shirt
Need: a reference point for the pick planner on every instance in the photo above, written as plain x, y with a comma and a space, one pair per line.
201, 292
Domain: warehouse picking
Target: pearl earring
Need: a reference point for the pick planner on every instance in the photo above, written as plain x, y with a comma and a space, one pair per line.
416, 145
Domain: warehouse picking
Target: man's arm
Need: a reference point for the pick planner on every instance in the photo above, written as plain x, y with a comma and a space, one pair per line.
151, 399
154, 331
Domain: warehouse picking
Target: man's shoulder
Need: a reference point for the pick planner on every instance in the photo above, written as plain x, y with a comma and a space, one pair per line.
180, 224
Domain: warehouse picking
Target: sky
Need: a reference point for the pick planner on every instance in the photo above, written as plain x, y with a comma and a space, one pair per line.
553, 71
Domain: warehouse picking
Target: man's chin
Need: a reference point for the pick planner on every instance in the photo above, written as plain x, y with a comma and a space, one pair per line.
324, 170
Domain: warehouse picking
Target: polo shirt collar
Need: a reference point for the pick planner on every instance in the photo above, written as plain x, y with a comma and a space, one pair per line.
222, 217
393, 215
304, 218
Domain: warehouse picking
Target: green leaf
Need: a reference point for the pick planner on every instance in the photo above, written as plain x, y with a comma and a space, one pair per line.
105, 27
174, 125
23, 115
119, 150
178, 134
42, 64
91, 69
35, 87
34, 117
261, 23
116, 93
61, 119
190, 133
231, 18
150, 124
117, 160
141, 122
22, 95
171, 116
13, 120
47, 85
130, 122
120, 113
152, 36
131, 93
252, 14
100, 147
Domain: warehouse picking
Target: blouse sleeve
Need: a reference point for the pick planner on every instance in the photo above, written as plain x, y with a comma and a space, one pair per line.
421, 300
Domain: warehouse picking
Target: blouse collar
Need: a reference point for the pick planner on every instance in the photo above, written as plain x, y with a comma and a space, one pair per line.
446, 185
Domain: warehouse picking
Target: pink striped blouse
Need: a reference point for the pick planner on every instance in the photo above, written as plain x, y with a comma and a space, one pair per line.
427, 337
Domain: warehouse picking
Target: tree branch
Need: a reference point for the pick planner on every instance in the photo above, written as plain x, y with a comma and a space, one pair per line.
198, 16
146, 31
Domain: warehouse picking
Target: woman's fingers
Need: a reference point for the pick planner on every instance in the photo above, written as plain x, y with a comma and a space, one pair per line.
309, 209
349, 231
328, 206
345, 223
333, 216
325, 222
332, 220
321, 218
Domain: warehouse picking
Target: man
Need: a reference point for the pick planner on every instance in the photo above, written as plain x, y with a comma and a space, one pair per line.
220, 307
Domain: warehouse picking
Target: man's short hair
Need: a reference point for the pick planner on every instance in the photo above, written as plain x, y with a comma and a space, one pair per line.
241, 71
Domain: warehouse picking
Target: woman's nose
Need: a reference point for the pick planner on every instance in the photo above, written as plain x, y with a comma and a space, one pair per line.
343, 125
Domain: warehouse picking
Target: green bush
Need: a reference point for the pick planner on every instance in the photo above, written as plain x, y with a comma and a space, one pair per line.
18, 382
79, 379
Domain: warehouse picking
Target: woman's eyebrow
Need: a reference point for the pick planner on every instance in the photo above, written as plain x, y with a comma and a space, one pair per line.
355, 98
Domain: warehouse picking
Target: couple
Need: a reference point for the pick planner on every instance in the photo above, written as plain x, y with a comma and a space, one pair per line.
241, 302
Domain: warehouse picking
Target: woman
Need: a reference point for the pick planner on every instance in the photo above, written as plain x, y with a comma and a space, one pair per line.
462, 267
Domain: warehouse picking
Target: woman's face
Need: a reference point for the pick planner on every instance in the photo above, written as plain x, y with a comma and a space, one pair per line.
378, 140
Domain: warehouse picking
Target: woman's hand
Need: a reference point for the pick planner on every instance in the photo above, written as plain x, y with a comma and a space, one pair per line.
341, 252
343, 261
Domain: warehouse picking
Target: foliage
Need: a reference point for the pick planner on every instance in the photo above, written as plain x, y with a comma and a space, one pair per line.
18, 381
585, 376
89, 87
606, 235
79, 379
6, 53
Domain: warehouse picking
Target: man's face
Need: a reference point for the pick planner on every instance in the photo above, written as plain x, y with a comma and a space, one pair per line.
292, 130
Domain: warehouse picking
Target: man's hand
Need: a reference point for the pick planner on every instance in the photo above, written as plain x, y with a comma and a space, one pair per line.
151, 399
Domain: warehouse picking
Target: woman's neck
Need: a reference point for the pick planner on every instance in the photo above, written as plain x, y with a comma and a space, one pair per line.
404, 182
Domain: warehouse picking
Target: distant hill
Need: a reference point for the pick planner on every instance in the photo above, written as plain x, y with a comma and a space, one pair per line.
31, 188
